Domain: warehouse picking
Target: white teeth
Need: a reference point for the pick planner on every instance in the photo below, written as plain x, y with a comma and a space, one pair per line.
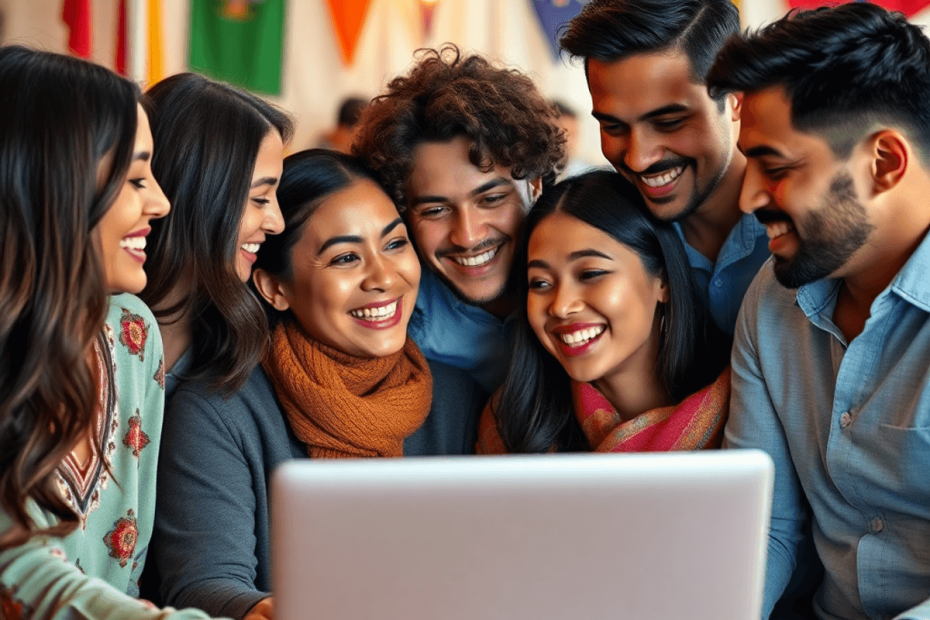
375, 314
583, 336
476, 261
251, 248
777, 229
132, 243
663, 179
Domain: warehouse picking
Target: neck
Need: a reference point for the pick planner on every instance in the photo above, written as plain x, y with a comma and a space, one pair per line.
175, 328
502, 306
707, 228
636, 388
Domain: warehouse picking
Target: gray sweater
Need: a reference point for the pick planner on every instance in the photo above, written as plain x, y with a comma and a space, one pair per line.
211, 542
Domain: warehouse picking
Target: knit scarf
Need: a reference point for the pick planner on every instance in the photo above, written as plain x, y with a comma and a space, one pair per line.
694, 424
343, 406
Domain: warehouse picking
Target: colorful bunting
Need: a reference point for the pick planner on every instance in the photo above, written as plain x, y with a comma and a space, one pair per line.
348, 17
122, 58
553, 15
908, 7
427, 8
76, 14
156, 55
239, 41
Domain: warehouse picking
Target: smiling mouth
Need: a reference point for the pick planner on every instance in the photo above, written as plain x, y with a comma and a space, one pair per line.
777, 229
662, 179
476, 261
381, 313
251, 248
582, 336
136, 244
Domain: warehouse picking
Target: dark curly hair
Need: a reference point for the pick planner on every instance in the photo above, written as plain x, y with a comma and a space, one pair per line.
447, 95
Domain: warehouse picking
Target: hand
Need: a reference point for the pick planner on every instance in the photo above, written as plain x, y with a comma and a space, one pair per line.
263, 610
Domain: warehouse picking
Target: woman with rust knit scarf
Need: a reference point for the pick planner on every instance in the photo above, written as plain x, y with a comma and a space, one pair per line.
341, 379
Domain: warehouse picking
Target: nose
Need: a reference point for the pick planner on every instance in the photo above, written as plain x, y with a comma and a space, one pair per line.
468, 229
565, 301
156, 203
380, 275
754, 194
274, 219
642, 150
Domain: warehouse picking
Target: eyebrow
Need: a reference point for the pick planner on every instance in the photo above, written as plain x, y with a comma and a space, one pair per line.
761, 151
355, 238
589, 253
264, 181
672, 108
141, 156
484, 187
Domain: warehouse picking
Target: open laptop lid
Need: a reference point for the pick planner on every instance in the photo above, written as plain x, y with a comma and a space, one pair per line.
640, 536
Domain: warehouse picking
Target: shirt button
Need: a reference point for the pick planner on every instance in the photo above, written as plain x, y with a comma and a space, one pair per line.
718, 282
845, 420
877, 525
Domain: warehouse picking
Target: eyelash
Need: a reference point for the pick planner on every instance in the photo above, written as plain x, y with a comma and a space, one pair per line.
590, 274
138, 183
261, 201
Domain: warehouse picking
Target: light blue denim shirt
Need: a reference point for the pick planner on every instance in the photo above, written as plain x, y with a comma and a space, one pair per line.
723, 285
848, 426
459, 334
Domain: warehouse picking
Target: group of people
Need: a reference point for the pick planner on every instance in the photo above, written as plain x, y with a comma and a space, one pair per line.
183, 308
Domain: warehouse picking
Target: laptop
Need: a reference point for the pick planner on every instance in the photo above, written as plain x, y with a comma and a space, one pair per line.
548, 537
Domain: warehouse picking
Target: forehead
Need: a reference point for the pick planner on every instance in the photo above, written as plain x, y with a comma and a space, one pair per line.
766, 126
443, 169
639, 84
558, 235
360, 210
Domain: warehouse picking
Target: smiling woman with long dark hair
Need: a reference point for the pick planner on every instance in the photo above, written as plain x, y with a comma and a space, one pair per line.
81, 375
613, 349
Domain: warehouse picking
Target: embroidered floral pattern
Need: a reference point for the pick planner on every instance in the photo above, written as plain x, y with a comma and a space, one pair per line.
121, 540
11, 608
160, 374
135, 439
133, 332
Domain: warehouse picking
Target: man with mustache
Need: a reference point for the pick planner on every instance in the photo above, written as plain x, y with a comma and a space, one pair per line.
645, 61
831, 361
462, 147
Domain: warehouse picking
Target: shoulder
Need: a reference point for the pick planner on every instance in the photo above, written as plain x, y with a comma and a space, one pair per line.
134, 330
253, 404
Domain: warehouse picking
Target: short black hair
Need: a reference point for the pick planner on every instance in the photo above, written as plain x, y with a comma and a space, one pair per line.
612, 30
350, 111
843, 69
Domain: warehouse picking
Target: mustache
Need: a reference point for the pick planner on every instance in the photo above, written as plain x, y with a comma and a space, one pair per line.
487, 244
766, 216
659, 167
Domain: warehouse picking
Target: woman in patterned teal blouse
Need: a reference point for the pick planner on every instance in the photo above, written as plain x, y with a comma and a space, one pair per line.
81, 377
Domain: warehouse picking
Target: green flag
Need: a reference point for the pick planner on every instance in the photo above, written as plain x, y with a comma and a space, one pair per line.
239, 41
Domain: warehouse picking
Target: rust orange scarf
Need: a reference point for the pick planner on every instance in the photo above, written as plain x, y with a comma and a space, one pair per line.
343, 406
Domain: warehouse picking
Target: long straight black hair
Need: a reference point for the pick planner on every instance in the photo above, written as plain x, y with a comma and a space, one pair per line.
535, 411
60, 118
207, 136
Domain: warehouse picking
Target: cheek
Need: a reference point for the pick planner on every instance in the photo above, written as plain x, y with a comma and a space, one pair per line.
428, 236
537, 308
250, 223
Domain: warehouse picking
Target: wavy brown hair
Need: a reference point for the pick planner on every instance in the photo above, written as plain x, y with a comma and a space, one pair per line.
207, 136
59, 118
447, 95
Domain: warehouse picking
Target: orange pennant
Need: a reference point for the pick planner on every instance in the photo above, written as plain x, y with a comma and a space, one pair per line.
349, 17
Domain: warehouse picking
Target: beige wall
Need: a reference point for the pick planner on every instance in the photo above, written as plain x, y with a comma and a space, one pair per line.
314, 77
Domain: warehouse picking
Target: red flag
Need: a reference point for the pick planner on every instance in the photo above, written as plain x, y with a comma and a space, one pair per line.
908, 7
121, 50
76, 14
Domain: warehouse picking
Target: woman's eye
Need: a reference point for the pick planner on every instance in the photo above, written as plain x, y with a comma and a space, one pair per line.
537, 284
397, 244
261, 201
591, 274
138, 183
344, 259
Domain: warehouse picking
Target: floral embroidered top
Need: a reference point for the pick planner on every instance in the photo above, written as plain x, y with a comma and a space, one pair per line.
67, 577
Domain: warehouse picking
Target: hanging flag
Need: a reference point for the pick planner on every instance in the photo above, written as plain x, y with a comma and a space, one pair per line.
908, 7
239, 41
156, 55
121, 58
76, 14
427, 8
553, 14
348, 17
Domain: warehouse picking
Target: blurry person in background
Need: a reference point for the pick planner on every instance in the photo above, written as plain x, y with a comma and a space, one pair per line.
340, 137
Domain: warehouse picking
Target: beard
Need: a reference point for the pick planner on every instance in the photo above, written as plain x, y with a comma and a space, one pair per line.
832, 234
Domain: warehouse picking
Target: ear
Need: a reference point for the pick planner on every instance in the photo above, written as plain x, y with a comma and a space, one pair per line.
735, 102
273, 290
890, 155
535, 189
661, 290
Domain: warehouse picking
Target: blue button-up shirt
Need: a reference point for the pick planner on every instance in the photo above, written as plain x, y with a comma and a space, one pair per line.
848, 426
460, 334
722, 285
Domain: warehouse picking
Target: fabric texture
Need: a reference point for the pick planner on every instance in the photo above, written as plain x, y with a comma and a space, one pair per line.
848, 427
343, 406
694, 424
723, 284
212, 538
456, 333
93, 572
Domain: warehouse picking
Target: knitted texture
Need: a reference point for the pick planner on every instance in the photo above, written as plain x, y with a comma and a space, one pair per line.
343, 406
